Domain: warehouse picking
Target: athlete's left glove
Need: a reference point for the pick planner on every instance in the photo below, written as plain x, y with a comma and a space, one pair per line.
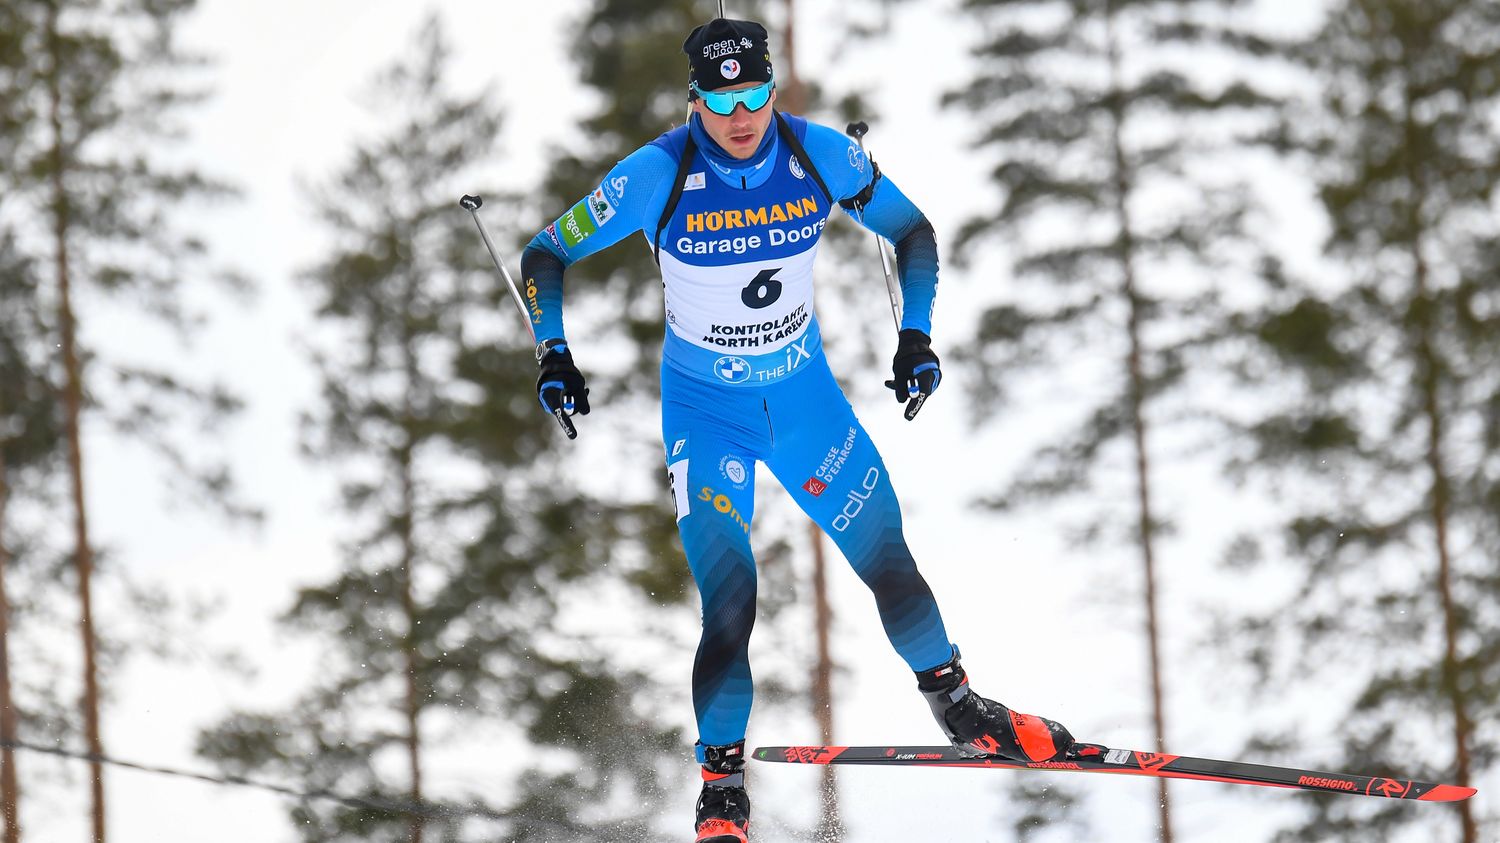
559, 385
916, 369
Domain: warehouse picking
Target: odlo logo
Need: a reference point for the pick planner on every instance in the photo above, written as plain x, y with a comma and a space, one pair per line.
854, 502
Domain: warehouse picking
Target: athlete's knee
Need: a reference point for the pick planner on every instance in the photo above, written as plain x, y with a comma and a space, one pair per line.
895, 578
728, 590
890, 572
726, 632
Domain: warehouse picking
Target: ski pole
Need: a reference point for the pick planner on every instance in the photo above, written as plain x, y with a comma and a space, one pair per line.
471, 204
858, 131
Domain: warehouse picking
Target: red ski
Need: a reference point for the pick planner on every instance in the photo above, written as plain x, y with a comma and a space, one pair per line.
1090, 758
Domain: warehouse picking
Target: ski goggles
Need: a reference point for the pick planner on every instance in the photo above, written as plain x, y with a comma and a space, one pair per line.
724, 102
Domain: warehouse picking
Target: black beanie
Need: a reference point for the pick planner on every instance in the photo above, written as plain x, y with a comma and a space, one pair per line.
726, 52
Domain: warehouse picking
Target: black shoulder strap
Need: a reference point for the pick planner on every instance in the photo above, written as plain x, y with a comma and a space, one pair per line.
784, 129
685, 163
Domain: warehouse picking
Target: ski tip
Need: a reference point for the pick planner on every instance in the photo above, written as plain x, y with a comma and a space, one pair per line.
1448, 793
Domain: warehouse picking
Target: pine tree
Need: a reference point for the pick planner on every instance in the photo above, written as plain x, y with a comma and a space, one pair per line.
1098, 130
31, 455
28, 444
390, 292
395, 307
20, 386
103, 88
1380, 391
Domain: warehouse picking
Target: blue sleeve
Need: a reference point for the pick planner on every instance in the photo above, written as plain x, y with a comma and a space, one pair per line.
888, 213
629, 199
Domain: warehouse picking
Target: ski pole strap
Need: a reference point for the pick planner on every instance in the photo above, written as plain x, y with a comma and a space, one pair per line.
784, 129
684, 163
858, 201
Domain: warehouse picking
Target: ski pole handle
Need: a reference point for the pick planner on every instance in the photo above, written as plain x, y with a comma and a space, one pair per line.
858, 131
472, 204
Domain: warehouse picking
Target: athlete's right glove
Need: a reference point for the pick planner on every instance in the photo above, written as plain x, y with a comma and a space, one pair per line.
559, 385
916, 369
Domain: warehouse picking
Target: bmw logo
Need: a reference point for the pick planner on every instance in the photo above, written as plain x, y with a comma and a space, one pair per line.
732, 369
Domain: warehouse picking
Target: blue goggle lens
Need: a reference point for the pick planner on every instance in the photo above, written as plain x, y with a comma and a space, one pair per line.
724, 102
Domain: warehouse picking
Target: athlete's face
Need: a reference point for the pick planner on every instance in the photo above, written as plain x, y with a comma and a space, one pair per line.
738, 133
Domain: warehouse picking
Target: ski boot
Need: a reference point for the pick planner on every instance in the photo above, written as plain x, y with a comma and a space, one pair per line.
981, 727
724, 806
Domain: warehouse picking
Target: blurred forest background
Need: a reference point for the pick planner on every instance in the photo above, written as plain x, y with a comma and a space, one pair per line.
1216, 466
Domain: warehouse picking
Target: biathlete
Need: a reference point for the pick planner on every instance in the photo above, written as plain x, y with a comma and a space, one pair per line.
733, 206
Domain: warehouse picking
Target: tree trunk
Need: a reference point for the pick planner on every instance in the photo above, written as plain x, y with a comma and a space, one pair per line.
830, 821
1463, 727
1429, 377
1137, 376
792, 96
1148, 555
830, 826
10, 789
83, 554
409, 646
408, 521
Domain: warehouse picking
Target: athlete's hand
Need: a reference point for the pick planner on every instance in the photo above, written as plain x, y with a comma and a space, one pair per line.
916, 369
559, 386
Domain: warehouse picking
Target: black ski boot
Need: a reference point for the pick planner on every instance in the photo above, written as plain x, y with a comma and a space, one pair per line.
724, 806
984, 727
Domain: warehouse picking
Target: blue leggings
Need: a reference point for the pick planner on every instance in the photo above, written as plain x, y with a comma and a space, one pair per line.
804, 430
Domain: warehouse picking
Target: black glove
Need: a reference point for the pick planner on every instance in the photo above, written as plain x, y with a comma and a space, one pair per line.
916, 369
559, 386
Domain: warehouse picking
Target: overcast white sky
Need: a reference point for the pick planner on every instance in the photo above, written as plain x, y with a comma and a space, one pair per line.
1043, 628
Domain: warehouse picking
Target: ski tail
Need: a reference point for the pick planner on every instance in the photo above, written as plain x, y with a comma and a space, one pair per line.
1092, 758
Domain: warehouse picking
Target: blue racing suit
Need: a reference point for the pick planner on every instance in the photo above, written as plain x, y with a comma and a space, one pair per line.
744, 379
